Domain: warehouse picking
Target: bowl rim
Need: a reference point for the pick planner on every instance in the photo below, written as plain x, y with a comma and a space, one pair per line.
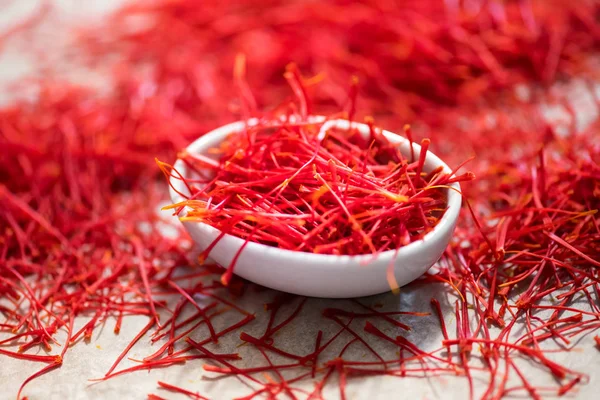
445, 224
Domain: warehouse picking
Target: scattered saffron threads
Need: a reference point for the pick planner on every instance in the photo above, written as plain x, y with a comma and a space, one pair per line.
447, 52
80, 238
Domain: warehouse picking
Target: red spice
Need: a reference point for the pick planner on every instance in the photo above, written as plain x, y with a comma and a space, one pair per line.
283, 206
296, 182
76, 180
474, 272
176, 389
444, 52
567, 387
154, 397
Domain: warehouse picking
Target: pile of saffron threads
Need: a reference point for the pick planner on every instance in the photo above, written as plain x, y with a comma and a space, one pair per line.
408, 55
75, 239
80, 239
307, 186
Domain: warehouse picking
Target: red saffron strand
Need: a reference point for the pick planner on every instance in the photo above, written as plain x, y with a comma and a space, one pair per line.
176, 389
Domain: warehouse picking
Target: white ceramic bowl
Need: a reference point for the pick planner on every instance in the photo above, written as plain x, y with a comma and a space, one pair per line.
322, 275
